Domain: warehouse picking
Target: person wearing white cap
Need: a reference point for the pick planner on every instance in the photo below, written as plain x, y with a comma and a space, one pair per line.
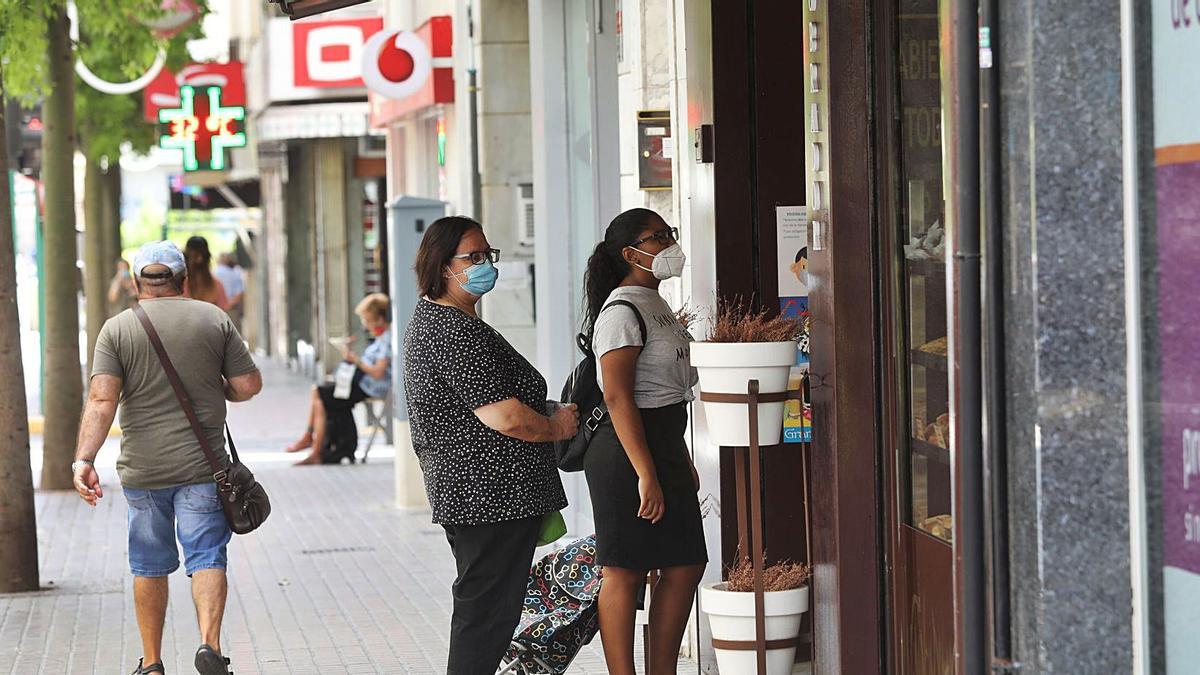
167, 480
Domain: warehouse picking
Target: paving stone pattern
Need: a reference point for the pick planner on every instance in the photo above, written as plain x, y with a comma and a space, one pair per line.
337, 580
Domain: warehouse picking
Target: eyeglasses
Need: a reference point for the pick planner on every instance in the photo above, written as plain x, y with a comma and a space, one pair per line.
479, 257
667, 236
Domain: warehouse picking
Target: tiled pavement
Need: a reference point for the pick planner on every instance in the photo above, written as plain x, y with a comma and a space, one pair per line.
337, 581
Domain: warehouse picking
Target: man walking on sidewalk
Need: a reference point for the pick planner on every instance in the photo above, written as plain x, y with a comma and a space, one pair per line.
167, 481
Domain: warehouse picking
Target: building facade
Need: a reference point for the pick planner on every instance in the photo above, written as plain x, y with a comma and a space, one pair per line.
999, 201
996, 206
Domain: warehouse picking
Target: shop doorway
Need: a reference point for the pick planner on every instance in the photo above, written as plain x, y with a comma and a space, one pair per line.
915, 368
882, 516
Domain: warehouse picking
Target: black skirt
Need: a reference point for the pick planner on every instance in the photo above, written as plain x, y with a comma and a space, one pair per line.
622, 538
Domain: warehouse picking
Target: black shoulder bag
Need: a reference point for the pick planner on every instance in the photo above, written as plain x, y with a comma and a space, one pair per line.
582, 389
242, 498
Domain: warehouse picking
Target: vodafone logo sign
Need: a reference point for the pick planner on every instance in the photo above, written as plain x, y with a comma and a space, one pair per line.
406, 71
396, 63
322, 59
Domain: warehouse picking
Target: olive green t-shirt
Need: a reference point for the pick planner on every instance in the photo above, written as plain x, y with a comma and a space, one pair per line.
158, 448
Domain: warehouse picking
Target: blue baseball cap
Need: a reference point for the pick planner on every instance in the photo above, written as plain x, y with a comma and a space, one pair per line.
159, 253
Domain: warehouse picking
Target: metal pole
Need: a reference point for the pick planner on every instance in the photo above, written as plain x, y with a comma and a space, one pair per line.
995, 445
961, 99
473, 116
1135, 29
41, 277
756, 532
742, 488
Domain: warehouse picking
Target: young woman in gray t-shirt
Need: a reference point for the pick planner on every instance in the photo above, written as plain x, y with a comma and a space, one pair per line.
641, 478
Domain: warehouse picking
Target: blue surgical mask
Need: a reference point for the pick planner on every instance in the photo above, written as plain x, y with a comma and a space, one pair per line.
481, 278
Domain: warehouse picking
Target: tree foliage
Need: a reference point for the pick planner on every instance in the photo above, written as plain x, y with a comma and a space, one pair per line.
23, 47
119, 51
112, 43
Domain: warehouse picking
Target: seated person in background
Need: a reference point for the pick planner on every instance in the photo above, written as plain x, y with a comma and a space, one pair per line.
372, 376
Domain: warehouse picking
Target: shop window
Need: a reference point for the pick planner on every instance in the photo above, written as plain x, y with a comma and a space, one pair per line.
925, 490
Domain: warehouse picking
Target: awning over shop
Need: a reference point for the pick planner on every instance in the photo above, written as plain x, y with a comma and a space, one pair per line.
314, 120
232, 195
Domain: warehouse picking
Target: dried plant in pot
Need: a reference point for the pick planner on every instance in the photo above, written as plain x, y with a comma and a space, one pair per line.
745, 344
731, 614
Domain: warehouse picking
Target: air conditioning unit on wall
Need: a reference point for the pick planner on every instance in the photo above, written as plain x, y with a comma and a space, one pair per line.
374, 146
525, 220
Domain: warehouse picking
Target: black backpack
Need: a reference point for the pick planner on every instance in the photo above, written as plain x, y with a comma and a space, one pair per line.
582, 390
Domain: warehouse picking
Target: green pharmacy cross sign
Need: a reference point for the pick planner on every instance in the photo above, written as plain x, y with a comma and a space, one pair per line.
202, 128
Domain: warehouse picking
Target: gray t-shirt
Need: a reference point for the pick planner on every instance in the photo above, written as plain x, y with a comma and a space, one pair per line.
665, 375
158, 448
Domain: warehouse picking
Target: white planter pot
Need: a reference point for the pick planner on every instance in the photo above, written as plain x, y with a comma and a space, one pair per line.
726, 368
731, 617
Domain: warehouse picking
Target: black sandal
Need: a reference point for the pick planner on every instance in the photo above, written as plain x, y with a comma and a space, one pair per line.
209, 662
152, 668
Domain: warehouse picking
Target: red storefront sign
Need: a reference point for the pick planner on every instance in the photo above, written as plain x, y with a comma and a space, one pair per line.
163, 91
328, 54
438, 35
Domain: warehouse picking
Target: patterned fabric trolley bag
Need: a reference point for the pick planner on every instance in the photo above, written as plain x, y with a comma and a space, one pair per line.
560, 614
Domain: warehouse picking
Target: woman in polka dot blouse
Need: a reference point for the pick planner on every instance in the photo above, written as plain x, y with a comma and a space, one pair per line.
482, 432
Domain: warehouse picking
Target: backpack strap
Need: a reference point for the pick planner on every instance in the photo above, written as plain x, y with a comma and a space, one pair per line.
637, 313
584, 340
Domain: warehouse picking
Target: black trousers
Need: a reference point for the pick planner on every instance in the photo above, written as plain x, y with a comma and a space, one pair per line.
493, 563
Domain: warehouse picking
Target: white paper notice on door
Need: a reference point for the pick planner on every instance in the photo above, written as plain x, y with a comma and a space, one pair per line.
791, 234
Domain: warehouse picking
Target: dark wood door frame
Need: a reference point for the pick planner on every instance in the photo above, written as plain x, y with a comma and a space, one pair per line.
887, 130
847, 525
749, 83
759, 150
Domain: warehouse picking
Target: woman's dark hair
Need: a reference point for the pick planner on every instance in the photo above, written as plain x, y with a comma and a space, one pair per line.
437, 246
607, 268
802, 254
199, 267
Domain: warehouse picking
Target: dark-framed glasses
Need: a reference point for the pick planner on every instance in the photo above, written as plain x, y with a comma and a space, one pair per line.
666, 236
478, 257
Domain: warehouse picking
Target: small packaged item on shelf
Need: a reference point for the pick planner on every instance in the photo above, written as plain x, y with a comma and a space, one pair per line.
938, 347
931, 246
938, 433
941, 526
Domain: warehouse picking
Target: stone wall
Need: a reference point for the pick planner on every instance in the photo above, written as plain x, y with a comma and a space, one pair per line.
1061, 131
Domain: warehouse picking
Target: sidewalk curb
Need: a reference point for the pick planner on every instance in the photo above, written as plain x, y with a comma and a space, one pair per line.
37, 427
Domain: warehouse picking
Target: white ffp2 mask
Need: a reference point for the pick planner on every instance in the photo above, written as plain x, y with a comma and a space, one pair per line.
668, 264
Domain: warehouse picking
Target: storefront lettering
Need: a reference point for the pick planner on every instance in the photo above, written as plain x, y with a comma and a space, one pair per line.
920, 60
1182, 12
922, 127
1191, 456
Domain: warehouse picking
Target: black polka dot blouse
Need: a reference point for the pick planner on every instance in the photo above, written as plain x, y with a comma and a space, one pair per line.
455, 364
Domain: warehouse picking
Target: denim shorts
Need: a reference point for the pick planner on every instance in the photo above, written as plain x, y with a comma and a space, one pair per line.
191, 512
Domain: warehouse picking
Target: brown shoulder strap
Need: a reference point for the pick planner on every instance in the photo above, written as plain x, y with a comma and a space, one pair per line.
180, 393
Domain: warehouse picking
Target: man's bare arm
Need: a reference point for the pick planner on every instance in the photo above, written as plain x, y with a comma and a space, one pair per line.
243, 387
98, 415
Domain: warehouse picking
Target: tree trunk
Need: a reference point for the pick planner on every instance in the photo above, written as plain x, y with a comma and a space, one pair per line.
96, 269
62, 383
18, 527
112, 223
